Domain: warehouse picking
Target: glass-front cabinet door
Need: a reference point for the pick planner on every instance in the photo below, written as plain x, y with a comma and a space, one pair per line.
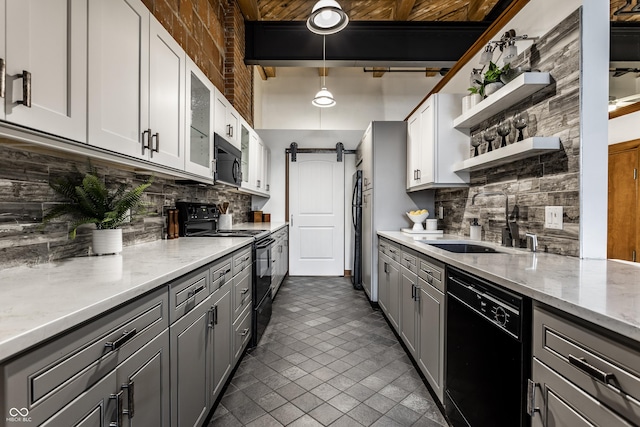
199, 150
244, 146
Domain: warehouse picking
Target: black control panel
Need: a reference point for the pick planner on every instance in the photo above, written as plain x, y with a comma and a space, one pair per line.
501, 307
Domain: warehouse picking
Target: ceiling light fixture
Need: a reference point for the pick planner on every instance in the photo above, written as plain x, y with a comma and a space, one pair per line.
323, 98
327, 17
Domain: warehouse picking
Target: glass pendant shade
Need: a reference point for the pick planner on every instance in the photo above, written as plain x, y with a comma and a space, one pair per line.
510, 53
324, 98
327, 17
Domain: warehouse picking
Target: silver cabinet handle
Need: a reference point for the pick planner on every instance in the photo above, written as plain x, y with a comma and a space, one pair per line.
3, 78
210, 316
192, 293
531, 398
26, 88
126, 336
244, 291
244, 332
291, 220
118, 421
130, 411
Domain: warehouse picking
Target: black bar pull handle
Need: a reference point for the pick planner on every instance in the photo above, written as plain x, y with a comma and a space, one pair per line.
130, 411
126, 336
26, 88
583, 365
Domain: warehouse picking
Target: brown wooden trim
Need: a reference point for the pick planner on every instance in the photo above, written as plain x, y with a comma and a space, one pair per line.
249, 9
347, 273
403, 9
482, 41
262, 72
624, 146
624, 110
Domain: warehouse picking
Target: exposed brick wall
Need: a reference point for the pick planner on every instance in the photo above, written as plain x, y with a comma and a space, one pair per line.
238, 77
212, 34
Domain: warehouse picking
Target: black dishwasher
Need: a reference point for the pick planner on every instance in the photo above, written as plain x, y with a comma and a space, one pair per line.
488, 353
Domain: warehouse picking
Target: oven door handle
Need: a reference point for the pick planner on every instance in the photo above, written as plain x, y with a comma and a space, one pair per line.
266, 244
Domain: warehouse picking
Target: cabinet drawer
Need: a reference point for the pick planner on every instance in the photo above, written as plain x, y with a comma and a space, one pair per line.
47, 378
562, 403
383, 247
394, 253
241, 293
410, 262
187, 292
431, 268
242, 261
241, 332
604, 368
219, 274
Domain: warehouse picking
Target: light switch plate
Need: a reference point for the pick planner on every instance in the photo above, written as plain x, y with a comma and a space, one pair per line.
553, 217
440, 212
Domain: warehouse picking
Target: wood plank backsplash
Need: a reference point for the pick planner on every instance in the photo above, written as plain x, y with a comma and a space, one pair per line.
25, 196
546, 180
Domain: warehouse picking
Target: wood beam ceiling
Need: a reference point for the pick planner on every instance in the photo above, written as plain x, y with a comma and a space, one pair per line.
266, 72
403, 9
249, 9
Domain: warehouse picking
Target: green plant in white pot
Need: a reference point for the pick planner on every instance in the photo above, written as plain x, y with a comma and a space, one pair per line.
90, 201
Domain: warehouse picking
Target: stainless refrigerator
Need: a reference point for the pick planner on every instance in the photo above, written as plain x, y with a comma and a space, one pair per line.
381, 157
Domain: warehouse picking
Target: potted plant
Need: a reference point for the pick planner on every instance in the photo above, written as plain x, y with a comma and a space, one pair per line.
491, 80
90, 201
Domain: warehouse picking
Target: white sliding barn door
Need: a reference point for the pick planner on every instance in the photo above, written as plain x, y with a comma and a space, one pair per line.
316, 215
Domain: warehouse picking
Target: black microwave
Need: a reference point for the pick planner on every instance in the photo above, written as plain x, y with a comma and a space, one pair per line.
227, 160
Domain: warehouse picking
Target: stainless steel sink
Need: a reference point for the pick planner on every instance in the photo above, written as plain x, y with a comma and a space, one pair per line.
465, 248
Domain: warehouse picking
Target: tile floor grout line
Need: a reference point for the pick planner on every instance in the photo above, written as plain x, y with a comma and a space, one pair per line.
327, 358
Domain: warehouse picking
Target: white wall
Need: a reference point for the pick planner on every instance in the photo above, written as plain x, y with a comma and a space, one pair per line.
624, 128
284, 102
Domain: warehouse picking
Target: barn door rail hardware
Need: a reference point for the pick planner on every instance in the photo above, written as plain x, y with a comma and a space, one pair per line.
293, 150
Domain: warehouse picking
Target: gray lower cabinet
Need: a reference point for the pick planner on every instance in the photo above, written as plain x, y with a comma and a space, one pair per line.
389, 283
409, 310
280, 261
191, 351
431, 336
241, 333
76, 374
221, 331
582, 374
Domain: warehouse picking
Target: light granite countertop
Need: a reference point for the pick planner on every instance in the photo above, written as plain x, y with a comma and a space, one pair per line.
604, 292
40, 301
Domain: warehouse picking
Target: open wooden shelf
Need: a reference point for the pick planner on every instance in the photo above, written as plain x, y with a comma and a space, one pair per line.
510, 94
516, 151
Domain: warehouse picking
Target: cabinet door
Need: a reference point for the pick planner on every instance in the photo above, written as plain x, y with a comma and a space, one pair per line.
426, 173
266, 168
367, 246
48, 40
190, 346
227, 121
394, 294
118, 101
166, 97
413, 150
366, 147
233, 121
383, 282
431, 336
144, 381
96, 407
222, 353
199, 136
259, 164
408, 310
245, 148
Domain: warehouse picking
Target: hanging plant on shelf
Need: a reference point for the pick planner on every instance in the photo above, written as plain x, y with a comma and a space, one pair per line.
490, 77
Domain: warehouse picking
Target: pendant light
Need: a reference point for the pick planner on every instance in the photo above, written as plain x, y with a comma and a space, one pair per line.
327, 17
323, 98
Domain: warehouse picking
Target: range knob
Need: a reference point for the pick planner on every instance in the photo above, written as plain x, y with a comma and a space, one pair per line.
500, 315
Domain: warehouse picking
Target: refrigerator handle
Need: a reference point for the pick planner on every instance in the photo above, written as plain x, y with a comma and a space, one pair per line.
353, 205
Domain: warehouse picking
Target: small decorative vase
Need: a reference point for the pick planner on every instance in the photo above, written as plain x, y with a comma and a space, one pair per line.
492, 88
225, 222
475, 99
107, 241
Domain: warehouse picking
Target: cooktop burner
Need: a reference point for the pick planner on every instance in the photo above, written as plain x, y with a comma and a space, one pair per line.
230, 233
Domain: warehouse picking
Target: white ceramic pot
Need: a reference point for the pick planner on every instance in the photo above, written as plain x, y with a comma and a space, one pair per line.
107, 241
492, 88
475, 99
225, 222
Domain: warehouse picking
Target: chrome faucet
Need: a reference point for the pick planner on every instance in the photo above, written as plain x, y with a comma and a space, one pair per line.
534, 241
508, 238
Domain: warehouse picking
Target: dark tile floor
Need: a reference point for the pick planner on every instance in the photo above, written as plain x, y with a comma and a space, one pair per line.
326, 359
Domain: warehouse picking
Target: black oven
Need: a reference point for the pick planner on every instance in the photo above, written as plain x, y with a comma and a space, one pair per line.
227, 159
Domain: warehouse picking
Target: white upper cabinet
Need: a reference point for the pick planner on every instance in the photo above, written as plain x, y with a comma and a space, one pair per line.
136, 84
227, 121
199, 135
46, 65
434, 146
256, 157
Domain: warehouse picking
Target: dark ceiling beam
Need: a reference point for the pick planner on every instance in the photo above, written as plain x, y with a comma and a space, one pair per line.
624, 41
362, 43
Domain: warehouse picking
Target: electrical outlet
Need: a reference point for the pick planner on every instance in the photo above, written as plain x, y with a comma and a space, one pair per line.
553, 217
440, 212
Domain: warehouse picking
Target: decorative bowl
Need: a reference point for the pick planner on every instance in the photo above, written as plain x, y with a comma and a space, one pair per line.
418, 219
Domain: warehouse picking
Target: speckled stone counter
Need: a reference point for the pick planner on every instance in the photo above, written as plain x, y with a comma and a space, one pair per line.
41, 301
603, 292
